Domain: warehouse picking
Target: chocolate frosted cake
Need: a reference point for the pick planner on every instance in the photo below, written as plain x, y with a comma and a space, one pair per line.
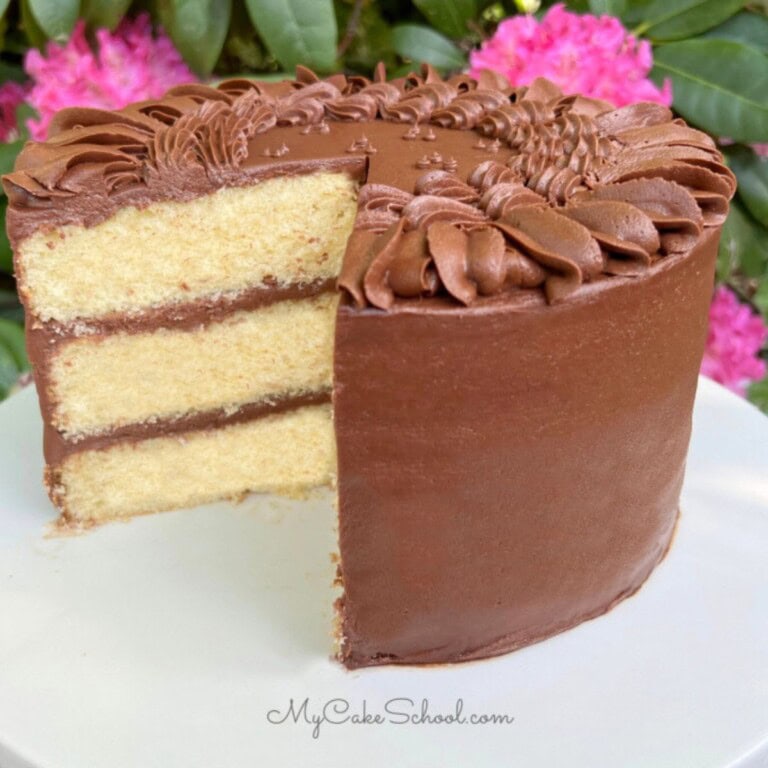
479, 311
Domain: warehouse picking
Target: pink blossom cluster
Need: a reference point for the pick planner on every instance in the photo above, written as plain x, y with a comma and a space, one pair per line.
585, 54
130, 64
736, 336
11, 95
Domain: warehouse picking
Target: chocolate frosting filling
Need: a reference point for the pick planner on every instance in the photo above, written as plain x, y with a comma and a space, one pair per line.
57, 448
183, 316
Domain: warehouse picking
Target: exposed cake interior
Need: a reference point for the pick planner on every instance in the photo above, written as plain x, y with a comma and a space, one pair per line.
281, 231
247, 316
282, 350
284, 452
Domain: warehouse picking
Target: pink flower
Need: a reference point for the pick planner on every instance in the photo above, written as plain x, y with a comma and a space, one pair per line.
761, 149
128, 65
11, 95
584, 54
736, 335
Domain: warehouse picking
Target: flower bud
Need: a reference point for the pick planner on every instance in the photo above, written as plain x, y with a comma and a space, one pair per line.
528, 6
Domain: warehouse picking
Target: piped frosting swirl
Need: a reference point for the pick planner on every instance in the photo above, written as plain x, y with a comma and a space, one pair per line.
588, 191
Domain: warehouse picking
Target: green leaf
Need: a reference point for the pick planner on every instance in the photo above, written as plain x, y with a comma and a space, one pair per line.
760, 299
55, 17
4, 6
402, 70
8, 154
448, 16
718, 85
31, 28
11, 72
369, 40
267, 77
743, 246
198, 29
9, 373
752, 172
104, 13
419, 43
297, 31
758, 394
24, 112
243, 49
679, 19
10, 307
12, 337
6, 254
609, 7
578, 6
746, 27
635, 11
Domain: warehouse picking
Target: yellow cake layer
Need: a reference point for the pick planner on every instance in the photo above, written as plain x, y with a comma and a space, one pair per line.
286, 453
291, 229
98, 383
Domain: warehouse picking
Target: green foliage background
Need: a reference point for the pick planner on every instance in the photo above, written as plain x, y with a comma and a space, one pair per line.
715, 52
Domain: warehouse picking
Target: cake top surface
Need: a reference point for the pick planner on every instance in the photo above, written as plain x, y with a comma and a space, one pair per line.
470, 188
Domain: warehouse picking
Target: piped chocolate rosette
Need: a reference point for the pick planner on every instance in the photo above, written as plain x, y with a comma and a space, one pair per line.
589, 191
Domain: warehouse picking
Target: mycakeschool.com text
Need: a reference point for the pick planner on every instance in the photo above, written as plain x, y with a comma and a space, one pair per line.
396, 711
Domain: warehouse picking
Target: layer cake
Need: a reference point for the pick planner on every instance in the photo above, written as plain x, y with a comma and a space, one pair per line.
479, 311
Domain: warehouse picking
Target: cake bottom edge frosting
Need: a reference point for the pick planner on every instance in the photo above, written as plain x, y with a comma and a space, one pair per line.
506, 643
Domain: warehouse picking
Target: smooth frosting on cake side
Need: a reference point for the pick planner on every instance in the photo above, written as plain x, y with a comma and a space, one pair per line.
507, 472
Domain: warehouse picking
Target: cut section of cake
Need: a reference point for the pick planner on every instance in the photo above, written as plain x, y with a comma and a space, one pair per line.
483, 310
162, 322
